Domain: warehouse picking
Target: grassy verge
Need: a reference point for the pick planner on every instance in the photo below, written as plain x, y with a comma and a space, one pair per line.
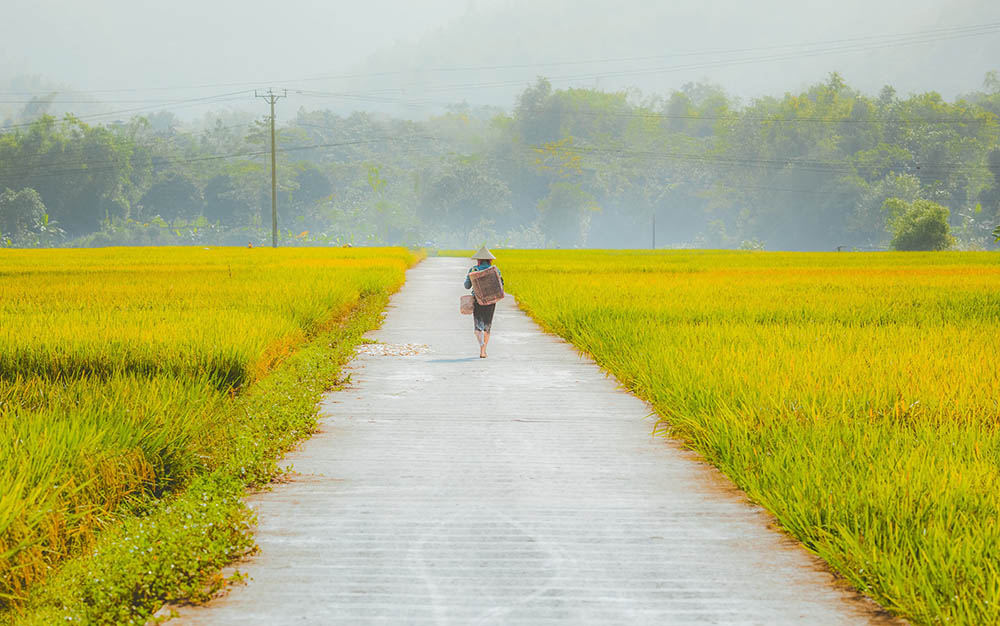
174, 550
855, 396
118, 368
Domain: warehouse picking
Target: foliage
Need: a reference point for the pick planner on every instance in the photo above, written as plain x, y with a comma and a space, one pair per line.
168, 555
160, 378
173, 194
852, 395
565, 213
463, 196
920, 225
23, 220
20, 212
173, 552
807, 170
752, 244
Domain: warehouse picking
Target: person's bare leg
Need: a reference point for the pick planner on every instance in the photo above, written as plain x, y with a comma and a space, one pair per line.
482, 344
486, 340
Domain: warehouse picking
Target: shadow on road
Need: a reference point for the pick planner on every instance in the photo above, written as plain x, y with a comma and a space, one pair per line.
469, 358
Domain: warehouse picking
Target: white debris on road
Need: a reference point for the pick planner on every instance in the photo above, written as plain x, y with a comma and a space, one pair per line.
393, 349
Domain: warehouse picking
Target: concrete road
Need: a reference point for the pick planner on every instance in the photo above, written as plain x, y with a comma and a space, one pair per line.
524, 488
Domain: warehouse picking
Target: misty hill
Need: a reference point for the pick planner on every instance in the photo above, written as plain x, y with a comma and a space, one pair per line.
750, 49
415, 59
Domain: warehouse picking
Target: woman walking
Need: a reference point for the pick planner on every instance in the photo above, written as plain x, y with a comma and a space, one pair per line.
482, 314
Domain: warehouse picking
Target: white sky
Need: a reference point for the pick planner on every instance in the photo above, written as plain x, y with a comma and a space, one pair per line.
106, 44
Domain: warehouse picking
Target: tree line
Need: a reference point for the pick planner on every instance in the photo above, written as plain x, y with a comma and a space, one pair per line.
826, 168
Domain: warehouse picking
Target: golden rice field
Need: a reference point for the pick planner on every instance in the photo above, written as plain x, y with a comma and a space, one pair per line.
119, 369
856, 396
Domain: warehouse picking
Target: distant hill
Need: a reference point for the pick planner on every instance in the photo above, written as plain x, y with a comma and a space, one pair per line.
751, 49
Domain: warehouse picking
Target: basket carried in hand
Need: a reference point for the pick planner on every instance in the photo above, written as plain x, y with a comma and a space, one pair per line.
465, 305
487, 286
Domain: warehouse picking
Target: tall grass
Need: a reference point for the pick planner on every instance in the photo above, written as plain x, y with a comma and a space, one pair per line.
118, 370
856, 396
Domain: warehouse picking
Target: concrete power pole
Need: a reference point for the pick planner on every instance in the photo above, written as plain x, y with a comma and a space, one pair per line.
272, 97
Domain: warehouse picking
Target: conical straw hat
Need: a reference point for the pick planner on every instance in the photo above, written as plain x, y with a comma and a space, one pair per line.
483, 253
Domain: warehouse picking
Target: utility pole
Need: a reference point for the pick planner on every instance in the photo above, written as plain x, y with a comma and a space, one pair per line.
654, 229
272, 97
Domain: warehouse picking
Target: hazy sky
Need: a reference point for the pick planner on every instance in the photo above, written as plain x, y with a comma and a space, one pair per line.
106, 44
410, 54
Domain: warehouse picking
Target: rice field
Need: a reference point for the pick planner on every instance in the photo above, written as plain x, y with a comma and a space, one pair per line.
855, 396
119, 369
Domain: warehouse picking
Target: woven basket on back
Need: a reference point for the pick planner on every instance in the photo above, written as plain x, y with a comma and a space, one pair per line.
487, 286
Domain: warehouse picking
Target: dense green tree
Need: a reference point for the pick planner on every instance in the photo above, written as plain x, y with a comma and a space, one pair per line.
173, 196
463, 196
989, 198
311, 184
918, 225
223, 201
565, 214
868, 223
538, 115
21, 215
85, 175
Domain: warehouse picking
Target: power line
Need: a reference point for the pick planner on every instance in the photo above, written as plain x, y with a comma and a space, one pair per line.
835, 46
812, 165
899, 38
812, 49
107, 165
971, 31
705, 158
843, 167
832, 48
82, 164
58, 100
983, 116
80, 160
366, 98
219, 98
815, 192
631, 59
